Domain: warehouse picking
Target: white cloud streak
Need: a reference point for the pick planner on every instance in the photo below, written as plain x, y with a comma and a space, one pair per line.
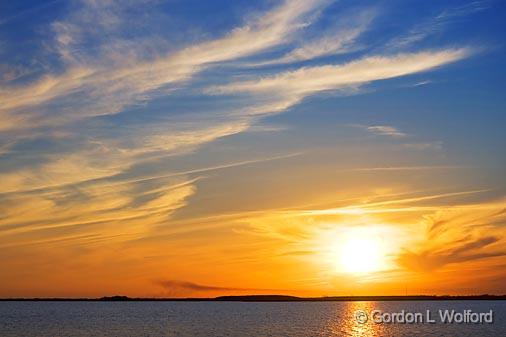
386, 130
106, 82
435, 24
278, 92
102, 90
338, 40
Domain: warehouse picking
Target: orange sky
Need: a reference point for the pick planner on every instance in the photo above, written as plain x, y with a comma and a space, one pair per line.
302, 147
418, 247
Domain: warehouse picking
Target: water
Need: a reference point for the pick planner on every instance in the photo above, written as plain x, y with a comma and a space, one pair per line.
53, 319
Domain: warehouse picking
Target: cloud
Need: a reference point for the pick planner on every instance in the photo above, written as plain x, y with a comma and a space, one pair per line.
101, 89
97, 208
458, 236
435, 25
300, 224
26, 12
178, 288
104, 82
465, 9
430, 261
407, 168
91, 205
94, 87
386, 130
185, 285
382, 130
437, 146
281, 91
421, 83
338, 40
10, 73
95, 145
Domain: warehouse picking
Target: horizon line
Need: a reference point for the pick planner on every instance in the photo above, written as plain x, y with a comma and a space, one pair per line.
268, 298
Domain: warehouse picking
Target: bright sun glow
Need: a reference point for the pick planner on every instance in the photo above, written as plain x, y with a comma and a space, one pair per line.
360, 255
359, 252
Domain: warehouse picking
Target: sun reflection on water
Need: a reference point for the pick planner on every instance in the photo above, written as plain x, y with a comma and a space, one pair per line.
349, 325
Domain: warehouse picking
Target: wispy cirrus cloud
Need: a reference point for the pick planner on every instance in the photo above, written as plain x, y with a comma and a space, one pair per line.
85, 203
459, 236
281, 91
338, 40
386, 130
435, 25
333, 77
105, 82
429, 237
91, 144
382, 130
406, 168
101, 89
91, 188
91, 86
27, 11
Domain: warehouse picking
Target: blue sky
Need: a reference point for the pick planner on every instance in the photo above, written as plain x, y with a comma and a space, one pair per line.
131, 121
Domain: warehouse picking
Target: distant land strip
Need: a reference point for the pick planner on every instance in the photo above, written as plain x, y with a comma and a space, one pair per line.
277, 298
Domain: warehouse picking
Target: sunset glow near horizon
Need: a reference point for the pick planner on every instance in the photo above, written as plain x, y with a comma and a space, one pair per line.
156, 148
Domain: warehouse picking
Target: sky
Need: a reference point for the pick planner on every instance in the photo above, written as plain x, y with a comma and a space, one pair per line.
190, 148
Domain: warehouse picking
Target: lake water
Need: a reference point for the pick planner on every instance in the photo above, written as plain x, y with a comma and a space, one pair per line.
207, 319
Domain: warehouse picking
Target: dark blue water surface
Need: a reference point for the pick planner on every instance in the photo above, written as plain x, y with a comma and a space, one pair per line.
124, 319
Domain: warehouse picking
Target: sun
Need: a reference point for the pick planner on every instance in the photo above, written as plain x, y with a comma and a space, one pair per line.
359, 252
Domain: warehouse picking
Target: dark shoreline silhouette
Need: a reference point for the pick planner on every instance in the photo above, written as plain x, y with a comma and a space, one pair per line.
277, 298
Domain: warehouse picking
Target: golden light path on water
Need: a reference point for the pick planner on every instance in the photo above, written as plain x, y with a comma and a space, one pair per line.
350, 323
